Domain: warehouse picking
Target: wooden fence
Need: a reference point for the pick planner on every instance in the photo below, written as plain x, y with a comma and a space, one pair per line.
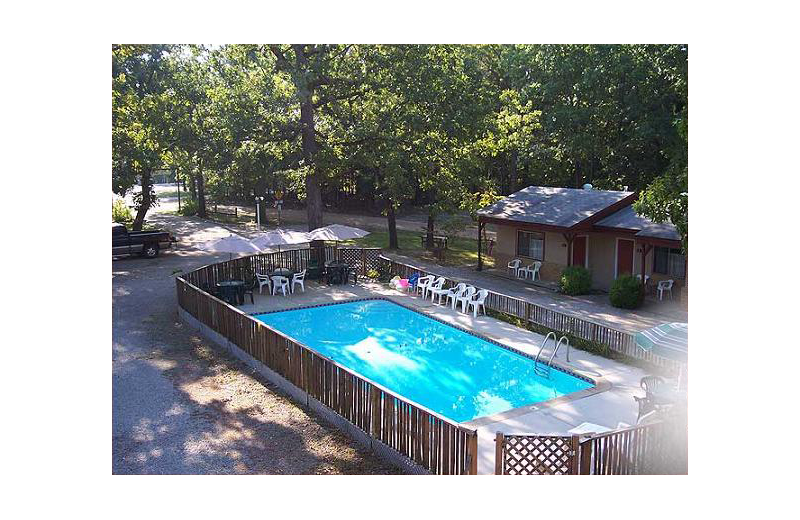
434, 442
589, 330
363, 259
659, 448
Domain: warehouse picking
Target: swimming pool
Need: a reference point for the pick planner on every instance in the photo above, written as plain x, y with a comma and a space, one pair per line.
452, 372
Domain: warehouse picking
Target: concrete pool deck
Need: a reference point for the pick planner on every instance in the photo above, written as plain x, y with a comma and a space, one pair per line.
611, 405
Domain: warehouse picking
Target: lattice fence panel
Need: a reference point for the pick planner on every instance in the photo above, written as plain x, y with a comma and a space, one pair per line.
538, 455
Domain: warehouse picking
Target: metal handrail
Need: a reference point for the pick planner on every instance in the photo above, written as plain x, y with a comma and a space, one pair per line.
536, 359
555, 350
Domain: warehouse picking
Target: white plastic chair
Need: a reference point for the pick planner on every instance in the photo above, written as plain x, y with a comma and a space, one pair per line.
263, 280
452, 293
534, 270
279, 282
446, 292
478, 302
469, 292
299, 279
514, 266
665, 285
435, 285
423, 283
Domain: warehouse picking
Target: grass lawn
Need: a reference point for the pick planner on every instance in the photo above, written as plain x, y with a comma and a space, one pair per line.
460, 251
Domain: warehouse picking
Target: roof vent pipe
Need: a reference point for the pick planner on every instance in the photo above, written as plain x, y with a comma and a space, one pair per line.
587, 186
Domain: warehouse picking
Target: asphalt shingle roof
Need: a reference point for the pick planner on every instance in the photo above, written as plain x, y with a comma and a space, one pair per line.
626, 218
563, 207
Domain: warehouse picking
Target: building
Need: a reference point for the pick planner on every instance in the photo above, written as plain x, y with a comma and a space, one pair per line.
596, 229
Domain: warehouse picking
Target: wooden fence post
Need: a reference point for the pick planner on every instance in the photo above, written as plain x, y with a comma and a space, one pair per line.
498, 453
472, 453
585, 452
574, 467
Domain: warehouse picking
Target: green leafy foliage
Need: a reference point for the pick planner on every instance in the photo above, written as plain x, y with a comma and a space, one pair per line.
626, 292
188, 208
575, 280
121, 213
448, 128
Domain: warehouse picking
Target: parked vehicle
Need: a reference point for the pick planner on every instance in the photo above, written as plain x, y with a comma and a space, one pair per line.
145, 243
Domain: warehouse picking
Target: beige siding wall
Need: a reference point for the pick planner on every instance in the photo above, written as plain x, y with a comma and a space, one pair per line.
555, 255
602, 257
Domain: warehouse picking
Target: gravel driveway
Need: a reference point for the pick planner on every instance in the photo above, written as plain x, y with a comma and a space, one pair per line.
183, 407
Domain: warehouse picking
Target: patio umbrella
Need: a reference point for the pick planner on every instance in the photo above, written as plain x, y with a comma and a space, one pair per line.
337, 232
280, 237
230, 244
669, 340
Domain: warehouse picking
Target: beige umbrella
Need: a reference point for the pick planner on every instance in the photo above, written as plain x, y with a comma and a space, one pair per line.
230, 244
280, 237
336, 232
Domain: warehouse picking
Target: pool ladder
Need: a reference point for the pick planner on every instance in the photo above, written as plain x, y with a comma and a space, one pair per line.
563, 339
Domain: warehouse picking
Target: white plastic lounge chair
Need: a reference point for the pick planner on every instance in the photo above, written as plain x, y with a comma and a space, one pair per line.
299, 279
477, 303
424, 282
263, 280
436, 285
469, 292
514, 266
280, 282
445, 292
665, 285
455, 293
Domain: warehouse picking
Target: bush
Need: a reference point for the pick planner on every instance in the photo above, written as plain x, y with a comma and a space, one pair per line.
626, 292
576, 280
372, 273
120, 212
188, 208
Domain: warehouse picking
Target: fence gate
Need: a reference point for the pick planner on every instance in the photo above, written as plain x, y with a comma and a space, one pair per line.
536, 455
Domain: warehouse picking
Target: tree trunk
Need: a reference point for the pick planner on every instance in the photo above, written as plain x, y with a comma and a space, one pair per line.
147, 182
201, 192
513, 180
390, 217
193, 186
577, 177
309, 142
429, 235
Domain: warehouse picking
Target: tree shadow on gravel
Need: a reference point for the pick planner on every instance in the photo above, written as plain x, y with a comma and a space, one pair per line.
223, 419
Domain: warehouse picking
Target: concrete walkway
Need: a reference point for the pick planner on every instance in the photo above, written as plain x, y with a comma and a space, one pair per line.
609, 407
593, 307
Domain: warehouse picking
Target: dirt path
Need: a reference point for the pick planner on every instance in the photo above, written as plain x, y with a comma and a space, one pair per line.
183, 407
296, 218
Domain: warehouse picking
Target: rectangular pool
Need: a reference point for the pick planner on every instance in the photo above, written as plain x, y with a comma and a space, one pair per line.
452, 372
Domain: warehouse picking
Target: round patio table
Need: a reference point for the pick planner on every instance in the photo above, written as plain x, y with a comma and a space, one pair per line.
337, 270
233, 290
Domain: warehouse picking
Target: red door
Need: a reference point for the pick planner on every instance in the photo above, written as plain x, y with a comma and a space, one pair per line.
579, 251
624, 257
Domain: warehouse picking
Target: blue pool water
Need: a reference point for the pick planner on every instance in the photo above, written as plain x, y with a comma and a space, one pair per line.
449, 371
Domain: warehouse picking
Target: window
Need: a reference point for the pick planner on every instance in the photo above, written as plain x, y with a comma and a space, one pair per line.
530, 244
670, 262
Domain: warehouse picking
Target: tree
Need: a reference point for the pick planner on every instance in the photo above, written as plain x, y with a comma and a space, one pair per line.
142, 130
320, 74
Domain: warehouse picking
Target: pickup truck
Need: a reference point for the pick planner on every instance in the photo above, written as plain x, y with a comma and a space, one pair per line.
145, 243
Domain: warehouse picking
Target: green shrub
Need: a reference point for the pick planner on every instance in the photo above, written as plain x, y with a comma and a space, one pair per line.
372, 273
576, 280
188, 208
120, 212
626, 292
